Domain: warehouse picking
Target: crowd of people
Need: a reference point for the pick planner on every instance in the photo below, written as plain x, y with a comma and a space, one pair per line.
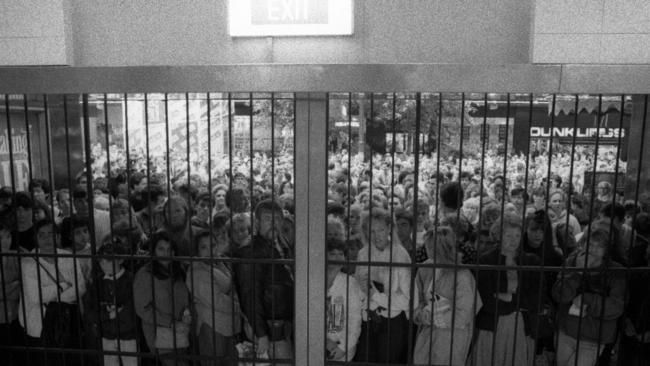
429, 261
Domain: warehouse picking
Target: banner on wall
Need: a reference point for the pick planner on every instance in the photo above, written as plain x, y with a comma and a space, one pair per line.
20, 158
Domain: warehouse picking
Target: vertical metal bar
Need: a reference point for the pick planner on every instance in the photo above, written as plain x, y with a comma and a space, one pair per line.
413, 268
503, 201
13, 191
310, 226
611, 219
458, 198
566, 230
128, 189
327, 261
189, 172
110, 211
214, 343
644, 338
48, 130
90, 194
149, 210
29, 148
230, 180
588, 232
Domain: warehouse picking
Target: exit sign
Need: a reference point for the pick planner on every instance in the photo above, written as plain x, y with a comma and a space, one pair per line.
253, 18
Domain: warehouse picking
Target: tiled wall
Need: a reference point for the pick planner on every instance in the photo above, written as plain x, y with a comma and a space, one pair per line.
591, 31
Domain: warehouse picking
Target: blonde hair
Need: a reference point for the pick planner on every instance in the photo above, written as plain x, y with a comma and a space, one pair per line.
441, 245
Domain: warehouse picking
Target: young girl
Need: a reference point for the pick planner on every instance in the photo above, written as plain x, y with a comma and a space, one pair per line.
508, 295
447, 305
162, 301
217, 304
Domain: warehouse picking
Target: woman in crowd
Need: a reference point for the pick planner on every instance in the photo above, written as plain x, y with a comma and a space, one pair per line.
239, 229
162, 301
538, 240
447, 304
508, 297
590, 301
343, 312
384, 331
202, 211
557, 212
217, 304
51, 284
219, 195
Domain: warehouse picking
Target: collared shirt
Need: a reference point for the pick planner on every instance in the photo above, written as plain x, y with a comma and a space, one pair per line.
116, 276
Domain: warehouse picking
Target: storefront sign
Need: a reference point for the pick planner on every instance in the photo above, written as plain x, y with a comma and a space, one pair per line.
579, 133
252, 18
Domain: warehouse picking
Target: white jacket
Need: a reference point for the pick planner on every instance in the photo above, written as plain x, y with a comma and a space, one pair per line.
36, 295
396, 280
344, 314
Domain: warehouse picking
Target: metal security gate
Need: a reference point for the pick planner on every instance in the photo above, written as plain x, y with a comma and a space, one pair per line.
477, 198
390, 161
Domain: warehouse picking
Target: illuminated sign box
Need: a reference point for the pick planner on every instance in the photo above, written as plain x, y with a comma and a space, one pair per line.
254, 18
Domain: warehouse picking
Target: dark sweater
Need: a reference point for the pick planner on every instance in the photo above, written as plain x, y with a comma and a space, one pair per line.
265, 289
119, 293
23, 239
493, 281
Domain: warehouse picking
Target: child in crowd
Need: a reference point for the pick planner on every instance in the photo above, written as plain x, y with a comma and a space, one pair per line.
111, 305
447, 304
343, 312
162, 301
217, 305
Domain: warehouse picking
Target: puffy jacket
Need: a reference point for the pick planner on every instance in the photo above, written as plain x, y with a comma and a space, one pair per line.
604, 294
265, 289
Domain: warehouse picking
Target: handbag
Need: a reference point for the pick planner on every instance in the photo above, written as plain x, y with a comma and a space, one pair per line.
169, 338
58, 329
